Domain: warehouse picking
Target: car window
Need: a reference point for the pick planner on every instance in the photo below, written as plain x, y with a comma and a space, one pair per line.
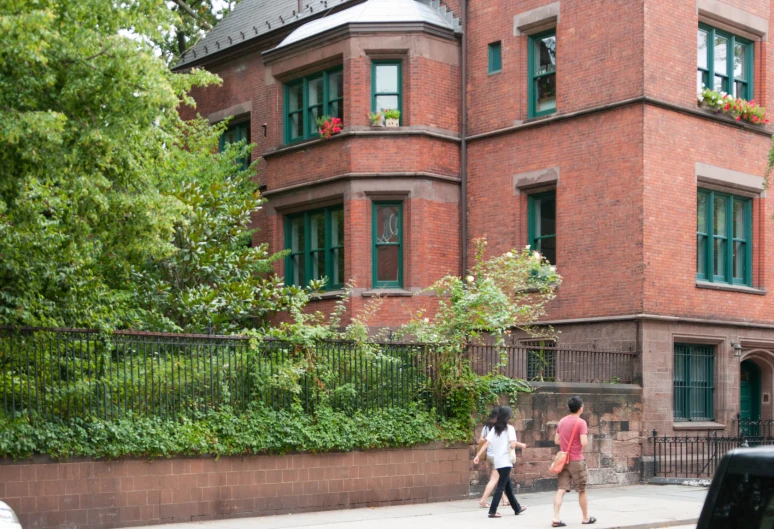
746, 501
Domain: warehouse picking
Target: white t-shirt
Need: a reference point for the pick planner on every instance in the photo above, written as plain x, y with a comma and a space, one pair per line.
501, 446
484, 432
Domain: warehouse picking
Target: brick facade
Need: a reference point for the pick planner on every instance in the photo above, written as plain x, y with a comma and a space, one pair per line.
626, 145
103, 494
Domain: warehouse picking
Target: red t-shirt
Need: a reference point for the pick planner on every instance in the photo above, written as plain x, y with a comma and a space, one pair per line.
564, 429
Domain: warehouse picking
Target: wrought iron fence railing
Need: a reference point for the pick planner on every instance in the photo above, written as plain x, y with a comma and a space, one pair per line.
539, 363
75, 373
696, 456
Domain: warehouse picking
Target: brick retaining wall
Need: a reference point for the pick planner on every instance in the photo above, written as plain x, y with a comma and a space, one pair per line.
614, 415
87, 494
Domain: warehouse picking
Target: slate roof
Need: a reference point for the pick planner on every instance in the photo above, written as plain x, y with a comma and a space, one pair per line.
385, 11
252, 19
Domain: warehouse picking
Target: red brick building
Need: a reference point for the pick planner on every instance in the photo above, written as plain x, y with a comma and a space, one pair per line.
579, 133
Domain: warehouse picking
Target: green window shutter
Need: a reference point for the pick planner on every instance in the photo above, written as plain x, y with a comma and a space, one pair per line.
724, 62
387, 244
315, 240
694, 382
542, 224
387, 86
311, 97
495, 57
541, 66
723, 238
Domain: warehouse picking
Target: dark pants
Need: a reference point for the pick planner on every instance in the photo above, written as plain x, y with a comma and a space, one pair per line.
504, 485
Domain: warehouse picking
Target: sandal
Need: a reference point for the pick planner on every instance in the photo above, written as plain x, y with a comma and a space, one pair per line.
591, 521
495, 515
483, 505
558, 524
521, 510
506, 503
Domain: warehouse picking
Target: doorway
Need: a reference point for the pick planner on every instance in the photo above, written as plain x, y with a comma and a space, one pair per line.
750, 398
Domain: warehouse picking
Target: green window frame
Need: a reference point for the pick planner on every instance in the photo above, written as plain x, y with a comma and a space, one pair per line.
315, 240
542, 224
541, 67
694, 382
234, 134
386, 91
723, 238
311, 97
723, 71
387, 244
495, 55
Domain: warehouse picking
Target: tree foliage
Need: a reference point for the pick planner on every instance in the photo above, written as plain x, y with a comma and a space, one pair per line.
113, 211
193, 19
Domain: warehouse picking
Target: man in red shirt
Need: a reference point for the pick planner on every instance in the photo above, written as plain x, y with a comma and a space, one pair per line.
575, 471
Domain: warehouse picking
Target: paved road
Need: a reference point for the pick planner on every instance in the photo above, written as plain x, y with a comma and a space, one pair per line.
636, 507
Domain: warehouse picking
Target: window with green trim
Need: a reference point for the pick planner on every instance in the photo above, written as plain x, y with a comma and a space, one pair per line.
495, 57
234, 134
725, 62
723, 238
316, 243
694, 382
387, 244
387, 86
542, 73
312, 97
542, 224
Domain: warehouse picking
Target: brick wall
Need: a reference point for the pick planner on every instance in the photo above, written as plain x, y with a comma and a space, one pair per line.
102, 494
614, 416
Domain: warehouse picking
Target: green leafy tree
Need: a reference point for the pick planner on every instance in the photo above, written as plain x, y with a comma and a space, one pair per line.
215, 281
193, 19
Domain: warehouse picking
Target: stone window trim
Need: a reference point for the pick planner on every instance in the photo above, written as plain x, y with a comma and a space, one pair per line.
731, 288
729, 181
334, 199
536, 181
732, 19
239, 112
536, 20
698, 426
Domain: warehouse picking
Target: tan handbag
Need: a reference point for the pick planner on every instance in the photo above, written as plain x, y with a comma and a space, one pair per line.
513, 456
562, 458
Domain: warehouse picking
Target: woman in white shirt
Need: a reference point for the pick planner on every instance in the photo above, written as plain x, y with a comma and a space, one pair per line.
494, 476
502, 438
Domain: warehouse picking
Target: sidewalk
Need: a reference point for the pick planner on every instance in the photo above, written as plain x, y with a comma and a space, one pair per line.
636, 507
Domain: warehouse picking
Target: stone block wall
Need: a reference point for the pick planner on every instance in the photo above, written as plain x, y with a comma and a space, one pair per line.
614, 415
90, 494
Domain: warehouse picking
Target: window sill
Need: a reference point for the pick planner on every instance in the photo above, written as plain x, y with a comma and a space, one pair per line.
698, 425
328, 294
387, 293
731, 288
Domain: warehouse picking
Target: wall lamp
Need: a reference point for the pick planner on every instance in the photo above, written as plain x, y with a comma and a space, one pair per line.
737, 348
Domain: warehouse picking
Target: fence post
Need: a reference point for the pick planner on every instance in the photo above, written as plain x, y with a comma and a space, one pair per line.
655, 444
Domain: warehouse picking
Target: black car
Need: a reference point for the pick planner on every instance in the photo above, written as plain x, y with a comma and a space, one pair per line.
742, 492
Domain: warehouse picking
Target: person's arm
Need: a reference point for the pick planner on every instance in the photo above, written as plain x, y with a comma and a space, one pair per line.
584, 439
557, 440
521, 445
481, 451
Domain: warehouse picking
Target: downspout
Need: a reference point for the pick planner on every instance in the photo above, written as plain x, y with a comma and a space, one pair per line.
464, 143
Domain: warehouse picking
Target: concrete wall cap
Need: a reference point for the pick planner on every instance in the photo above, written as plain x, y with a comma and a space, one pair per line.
536, 20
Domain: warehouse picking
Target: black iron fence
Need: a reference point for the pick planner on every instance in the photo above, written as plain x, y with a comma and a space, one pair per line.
755, 431
539, 363
75, 373
697, 456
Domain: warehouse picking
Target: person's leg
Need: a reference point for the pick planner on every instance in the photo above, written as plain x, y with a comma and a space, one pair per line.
490, 486
505, 475
558, 497
511, 496
584, 505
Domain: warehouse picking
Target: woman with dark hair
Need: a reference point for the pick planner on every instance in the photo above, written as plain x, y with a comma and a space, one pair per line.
502, 438
494, 476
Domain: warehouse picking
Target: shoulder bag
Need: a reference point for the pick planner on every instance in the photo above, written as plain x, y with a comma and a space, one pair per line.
562, 458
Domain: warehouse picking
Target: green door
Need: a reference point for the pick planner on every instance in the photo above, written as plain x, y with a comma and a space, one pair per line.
750, 396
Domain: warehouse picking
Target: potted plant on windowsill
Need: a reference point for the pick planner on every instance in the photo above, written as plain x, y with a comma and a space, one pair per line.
392, 117
376, 118
737, 108
328, 126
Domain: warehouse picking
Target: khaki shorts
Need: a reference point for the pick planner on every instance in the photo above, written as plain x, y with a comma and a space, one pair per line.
575, 471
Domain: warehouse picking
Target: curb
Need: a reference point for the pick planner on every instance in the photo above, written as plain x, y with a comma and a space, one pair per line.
690, 482
654, 525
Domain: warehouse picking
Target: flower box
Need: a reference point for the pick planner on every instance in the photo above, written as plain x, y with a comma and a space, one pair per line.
740, 109
392, 122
